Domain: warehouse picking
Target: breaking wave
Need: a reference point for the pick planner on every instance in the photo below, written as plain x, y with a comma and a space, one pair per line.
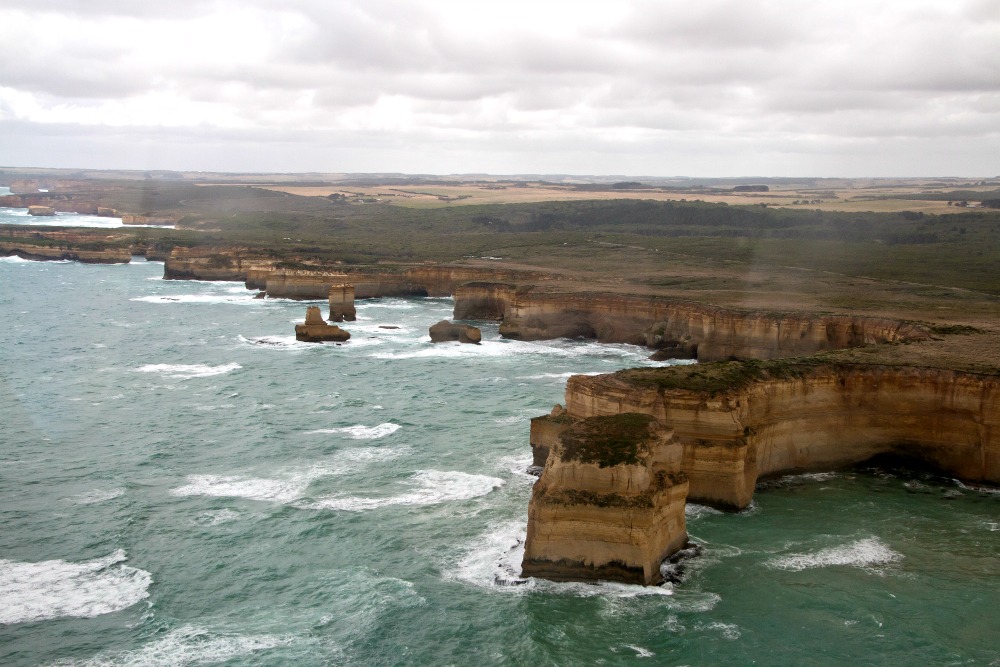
362, 432
431, 487
862, 553
188, 371
59, 589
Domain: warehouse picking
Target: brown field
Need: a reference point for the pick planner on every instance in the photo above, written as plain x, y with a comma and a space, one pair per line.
850, 198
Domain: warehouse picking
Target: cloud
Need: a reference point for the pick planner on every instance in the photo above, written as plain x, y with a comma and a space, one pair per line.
630, 87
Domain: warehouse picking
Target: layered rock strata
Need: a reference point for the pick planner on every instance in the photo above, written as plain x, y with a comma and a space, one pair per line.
738, 421
683, 329
316, 330
342, 308
610, 500
445, 331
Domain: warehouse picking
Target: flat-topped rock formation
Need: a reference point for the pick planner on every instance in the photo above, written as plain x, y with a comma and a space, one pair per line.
41, 210
683, 329
739, 421
445, 331
732, 423
316, 330
610, 500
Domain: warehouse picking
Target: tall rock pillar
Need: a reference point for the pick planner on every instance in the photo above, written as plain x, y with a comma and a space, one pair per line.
342, 303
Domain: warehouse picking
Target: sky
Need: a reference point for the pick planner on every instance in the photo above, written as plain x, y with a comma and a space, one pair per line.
633, 87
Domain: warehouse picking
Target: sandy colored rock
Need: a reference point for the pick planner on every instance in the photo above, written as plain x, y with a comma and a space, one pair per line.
341, 299
445, 331
41, 210
609, 503
316, 330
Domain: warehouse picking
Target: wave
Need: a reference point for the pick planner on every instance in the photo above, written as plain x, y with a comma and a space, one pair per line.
862, 553
432, 487
276, 342
694, 511
493, 561
187, 645
246, 298
188, 371
96, 496
362, 432
284, 490
59, 589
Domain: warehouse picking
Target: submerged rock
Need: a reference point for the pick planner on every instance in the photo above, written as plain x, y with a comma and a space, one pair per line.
445, 331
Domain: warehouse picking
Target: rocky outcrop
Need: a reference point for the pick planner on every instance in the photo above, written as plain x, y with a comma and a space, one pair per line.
741, 421
445, 331
300, 284
155, 220
41, 210
342, 303
316, 330
479, 300
212, 264
445, 280
686, 329
595, 512
55, 254
609, 503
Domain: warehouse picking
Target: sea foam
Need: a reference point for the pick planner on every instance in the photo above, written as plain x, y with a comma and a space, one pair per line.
187, 645
431, 487
58, 589
362, 432
862, 553
188, 371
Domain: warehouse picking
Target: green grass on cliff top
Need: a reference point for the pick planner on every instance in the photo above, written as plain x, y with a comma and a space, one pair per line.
621, 439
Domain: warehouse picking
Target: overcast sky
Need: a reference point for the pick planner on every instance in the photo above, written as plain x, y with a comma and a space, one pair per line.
692, 87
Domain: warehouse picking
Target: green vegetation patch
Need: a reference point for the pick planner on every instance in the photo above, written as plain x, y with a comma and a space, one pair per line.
621, 439
719, 377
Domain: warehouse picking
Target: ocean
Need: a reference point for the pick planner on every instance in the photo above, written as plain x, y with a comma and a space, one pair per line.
182, 483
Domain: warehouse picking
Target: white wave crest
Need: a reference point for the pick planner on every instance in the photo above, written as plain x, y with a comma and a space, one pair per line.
187, 645
862, 553
254, 488
693, 511
188, 371
246, 298
640, 652
58, 589
276, 342
432, 487
493, 561
362, 432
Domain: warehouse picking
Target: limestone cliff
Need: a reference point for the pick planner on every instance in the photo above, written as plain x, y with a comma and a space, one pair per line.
609, 503
689, 329
740, 421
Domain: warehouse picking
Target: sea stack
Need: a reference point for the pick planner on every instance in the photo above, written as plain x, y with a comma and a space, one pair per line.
610, 501
316, 330
342, 303
41, 210
445, 331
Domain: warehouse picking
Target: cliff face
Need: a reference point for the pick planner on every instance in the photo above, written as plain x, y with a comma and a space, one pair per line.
829, 417
610, 501
709, 332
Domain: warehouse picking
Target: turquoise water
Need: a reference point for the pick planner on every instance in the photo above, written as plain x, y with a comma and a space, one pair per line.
182, 483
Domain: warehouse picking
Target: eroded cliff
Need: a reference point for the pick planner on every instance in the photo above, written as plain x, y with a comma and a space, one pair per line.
686, 329
739, 421
610, 501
